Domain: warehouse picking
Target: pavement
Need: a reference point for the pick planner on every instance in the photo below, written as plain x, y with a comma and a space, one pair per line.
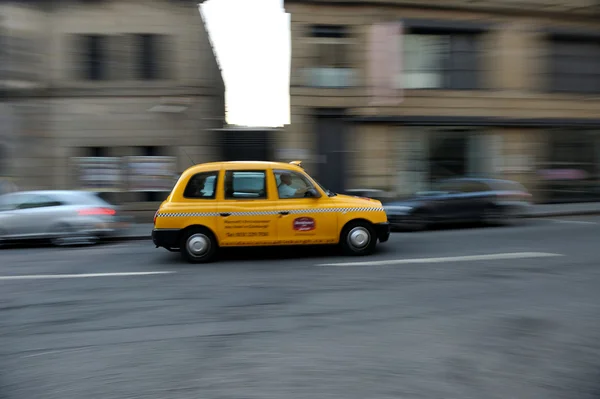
142, 231
466, 313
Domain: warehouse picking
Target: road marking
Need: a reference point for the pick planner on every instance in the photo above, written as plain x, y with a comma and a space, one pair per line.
572, 221
88, 275
513, 255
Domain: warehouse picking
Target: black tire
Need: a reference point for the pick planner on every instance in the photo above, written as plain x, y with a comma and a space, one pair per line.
204, 241
497, 216
64, 234
3, 241
61, 233
358, 230
418, 221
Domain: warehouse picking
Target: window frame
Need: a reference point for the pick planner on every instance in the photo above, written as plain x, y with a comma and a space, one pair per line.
449, 59
95, 68
231, 172
149, 57
573, 59
36, 200
292, 172
215, 173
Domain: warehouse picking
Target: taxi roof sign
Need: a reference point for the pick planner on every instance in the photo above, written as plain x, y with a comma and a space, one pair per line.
297, 163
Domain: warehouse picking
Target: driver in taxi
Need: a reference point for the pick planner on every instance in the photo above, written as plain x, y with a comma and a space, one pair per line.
286, 190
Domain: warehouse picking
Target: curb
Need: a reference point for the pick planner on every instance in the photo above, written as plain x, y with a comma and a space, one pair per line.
563, 213
129, 238
142, 237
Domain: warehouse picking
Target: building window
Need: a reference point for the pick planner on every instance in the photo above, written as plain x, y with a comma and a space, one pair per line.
441, 61
574, 66
150, 57
95, 60
331, 65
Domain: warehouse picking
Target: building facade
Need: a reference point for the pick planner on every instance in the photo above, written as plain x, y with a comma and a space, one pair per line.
106, 79
394, 94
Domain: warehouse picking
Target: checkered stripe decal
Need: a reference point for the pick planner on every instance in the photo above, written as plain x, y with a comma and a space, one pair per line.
186, 214
261, 213
336, 210
265, 213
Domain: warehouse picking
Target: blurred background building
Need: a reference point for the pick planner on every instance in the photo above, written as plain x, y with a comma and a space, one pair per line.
395, 94
109, 95
120, 96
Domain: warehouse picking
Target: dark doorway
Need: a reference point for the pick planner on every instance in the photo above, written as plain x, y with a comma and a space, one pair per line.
448, 156
246, 145
332, 134
571, 171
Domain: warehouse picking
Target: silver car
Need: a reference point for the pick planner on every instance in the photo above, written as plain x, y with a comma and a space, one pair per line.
60, 216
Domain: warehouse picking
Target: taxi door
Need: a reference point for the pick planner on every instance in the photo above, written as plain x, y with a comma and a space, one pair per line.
247, 209
305, 220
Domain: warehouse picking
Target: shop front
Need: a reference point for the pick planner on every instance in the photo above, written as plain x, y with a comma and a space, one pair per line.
570, 171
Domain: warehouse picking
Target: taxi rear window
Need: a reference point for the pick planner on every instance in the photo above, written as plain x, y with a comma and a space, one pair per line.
202, 186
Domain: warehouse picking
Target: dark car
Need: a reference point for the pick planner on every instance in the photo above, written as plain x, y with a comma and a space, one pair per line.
461, 200
372, 193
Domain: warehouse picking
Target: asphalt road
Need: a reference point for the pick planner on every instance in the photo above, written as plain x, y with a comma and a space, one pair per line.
489, 313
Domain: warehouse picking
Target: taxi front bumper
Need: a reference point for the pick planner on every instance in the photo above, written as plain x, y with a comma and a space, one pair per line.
383, 231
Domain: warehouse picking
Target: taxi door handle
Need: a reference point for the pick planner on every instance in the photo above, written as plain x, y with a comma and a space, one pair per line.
225, 214
284, 213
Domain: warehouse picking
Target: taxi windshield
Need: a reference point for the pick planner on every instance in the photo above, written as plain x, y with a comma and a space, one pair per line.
327, 191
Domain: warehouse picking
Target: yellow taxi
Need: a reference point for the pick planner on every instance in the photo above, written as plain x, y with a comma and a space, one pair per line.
241, 204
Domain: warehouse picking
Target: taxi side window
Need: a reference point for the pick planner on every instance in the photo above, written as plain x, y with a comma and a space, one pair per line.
202, 186
289, 182
246, 184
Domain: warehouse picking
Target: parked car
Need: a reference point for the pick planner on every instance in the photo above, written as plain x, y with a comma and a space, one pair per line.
241, 204
459, 200
59, 216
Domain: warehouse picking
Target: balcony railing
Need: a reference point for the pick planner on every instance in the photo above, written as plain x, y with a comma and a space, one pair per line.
330, 77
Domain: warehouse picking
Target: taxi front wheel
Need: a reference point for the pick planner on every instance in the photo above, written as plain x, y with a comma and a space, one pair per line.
358, 238
198, 245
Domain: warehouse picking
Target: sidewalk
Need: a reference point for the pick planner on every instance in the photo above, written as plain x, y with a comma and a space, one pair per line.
548, 210
143, 231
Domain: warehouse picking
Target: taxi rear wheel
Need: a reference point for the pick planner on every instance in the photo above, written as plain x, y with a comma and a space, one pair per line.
358, 238
198, 245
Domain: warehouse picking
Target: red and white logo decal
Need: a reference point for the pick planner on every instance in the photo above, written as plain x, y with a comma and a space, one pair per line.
304, 224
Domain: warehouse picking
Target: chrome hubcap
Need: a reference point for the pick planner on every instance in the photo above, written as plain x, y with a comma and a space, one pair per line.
198, 244
359, 237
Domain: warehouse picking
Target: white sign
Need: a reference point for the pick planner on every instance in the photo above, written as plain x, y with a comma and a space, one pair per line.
98, 173
150, 173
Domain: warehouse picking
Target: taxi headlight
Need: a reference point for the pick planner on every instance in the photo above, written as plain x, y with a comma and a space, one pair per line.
397, 210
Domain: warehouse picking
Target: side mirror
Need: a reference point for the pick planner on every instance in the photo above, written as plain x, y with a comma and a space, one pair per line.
312, 193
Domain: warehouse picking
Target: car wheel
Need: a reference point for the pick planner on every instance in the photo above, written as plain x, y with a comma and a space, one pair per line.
418, 221
2, 239
198, 245
61, 235
358, 239
65, 234
495, 216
